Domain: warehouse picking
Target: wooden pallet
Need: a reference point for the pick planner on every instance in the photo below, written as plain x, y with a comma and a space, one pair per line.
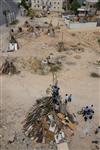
66, 121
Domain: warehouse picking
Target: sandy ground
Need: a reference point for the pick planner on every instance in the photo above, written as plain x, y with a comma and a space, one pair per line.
19, 92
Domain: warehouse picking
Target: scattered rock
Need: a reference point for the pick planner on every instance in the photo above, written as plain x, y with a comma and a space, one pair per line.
1, 136
12, 138
4, 127
77, 56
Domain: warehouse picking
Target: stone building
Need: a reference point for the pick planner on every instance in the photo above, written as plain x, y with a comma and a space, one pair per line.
91, 3
50, 5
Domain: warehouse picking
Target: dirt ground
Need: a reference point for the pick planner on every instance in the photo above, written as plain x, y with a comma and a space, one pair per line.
19, 92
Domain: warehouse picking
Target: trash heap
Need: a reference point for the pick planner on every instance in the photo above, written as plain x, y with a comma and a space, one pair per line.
46, 123
8, 67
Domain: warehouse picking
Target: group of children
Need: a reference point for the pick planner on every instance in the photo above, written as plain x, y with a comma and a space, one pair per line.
68, 98
87, 111
55, 95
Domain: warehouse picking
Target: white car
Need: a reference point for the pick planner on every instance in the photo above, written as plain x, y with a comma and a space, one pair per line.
69, 17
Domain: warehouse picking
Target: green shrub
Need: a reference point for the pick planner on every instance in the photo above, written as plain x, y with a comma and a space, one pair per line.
55, 67
74, 5
31, 13
98, 5
99, 41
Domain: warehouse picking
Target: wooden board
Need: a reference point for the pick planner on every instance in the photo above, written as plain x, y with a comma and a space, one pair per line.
66, 121
49, 136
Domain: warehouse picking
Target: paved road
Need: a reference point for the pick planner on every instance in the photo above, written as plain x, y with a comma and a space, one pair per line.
7, 4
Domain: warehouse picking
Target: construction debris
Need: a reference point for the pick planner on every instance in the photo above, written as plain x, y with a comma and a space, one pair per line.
8, 67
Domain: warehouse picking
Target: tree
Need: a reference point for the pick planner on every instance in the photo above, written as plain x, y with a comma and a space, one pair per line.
65, 5
25, 4
74, 5
98, 5
31, 13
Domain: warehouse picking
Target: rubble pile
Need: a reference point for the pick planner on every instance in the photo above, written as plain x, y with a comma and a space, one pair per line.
8, 67
45, 124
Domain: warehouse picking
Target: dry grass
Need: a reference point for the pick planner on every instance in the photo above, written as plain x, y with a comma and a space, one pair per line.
35, 65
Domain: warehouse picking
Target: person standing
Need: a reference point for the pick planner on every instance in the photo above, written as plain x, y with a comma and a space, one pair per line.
66, 98
70, 98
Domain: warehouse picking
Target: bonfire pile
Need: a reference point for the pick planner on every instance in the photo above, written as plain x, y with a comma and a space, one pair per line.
8, 67
43, 124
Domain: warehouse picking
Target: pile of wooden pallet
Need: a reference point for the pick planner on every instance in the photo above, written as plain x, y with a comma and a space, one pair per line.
44, 125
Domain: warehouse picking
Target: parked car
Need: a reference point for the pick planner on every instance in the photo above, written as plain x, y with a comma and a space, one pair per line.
69, 17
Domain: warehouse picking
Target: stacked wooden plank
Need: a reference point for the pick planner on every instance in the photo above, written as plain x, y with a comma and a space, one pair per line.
44, 125
33, 121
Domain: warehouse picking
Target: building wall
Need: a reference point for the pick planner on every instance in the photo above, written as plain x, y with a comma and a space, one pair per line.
57, 5
90, 3
54, 5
